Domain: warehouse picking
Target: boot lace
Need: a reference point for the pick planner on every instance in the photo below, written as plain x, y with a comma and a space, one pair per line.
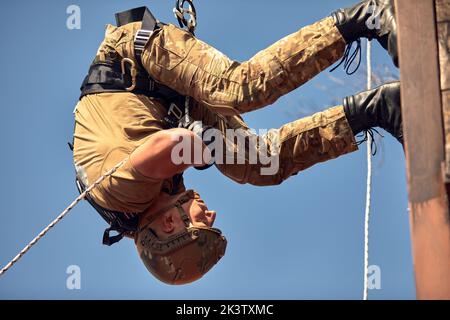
348, 59
365, 137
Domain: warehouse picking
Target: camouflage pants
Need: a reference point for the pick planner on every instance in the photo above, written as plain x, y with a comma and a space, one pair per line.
223, 89
294, 147
194, 68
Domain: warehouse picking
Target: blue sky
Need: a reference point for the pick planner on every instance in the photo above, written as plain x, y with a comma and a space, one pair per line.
300, 240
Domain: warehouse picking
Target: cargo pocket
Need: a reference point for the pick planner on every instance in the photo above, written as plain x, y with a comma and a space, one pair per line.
173, 47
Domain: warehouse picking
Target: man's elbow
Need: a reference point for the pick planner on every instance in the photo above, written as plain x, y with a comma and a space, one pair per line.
166, 154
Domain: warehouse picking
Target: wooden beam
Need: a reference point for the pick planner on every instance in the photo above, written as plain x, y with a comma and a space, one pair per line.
424, 146
443, 28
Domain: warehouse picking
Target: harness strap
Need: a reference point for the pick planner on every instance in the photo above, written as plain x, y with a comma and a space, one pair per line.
140, 41
137, 15
109, 240
149, 24
107, 76
119, 222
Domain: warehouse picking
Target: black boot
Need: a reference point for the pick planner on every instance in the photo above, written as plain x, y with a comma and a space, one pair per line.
376, 108
371, 19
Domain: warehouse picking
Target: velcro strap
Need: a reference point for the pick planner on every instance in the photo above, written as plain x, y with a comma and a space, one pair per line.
104, 76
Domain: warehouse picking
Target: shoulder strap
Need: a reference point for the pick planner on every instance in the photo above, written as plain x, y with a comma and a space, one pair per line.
143, 14
149, 24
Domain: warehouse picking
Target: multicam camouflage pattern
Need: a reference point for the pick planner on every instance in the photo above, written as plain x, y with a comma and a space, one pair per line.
223, 89
194, 68
186, 258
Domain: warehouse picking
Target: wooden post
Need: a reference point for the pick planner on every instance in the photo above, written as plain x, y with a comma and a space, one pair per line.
423, 95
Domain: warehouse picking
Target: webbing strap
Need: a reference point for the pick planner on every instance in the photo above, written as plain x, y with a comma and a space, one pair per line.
108, 77
137, 15
118, 221
149, 24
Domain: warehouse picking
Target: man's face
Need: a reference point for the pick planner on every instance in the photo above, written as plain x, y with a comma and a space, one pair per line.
171, 222
198, 212
176, 240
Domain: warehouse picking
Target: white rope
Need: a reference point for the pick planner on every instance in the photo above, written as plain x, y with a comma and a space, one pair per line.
61, 216
369, 181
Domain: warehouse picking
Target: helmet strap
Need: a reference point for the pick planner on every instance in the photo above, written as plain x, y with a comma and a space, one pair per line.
183, 215
179, 205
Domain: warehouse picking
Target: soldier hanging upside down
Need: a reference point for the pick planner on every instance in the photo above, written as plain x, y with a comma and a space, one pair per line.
152, 84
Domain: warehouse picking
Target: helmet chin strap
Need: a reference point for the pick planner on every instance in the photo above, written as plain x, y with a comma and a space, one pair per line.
184, 216
186, 197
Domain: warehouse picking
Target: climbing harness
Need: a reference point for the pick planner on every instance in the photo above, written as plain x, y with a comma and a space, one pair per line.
126, 75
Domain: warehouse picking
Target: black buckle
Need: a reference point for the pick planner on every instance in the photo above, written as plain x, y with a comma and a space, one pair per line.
175, 111
109, 240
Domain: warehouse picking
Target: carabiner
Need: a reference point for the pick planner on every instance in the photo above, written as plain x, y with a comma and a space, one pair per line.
133, 72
